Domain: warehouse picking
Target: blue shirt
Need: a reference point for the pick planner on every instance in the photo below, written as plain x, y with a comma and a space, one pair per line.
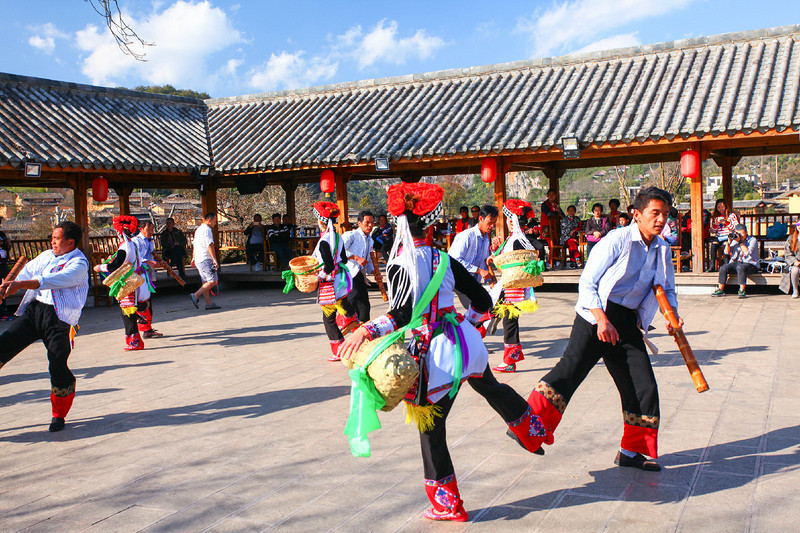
636, 282
471, 249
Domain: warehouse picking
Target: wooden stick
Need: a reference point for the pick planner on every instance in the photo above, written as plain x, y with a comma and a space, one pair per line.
378, 276
13, 273
169, 269
680, 339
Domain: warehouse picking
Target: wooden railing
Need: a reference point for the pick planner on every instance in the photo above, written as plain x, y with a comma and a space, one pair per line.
757, 224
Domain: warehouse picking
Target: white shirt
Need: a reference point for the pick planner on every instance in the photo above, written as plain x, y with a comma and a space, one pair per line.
358, 243
63, 283
471, 248
203, 238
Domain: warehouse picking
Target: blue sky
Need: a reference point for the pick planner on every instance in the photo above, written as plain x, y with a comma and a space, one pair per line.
239, 47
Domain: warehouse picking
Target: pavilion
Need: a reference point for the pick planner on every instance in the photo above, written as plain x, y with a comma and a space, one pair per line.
725, 96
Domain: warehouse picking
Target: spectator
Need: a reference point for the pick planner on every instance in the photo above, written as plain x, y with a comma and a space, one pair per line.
623, 220
613, 212
723, 222
670, 231
630, 213
686, 236
471, 248
289, 223
358, 250
533, 231
741, 251
791, 256
205, 259
383, 236
597, 227
254, 246
5, 254
173, 246
463, 221
279, 240
476, 214
551, 209
570, 230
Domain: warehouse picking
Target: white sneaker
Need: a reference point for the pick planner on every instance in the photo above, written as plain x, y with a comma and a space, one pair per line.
795, 296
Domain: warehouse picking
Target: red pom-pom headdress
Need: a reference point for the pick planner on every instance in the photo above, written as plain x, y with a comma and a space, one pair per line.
324, 211
421, 199
125, 222
515, 207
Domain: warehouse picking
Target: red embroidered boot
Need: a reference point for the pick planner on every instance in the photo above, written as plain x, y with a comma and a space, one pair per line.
511, 354
347, 323
335, 350
529, 432
447, 502
133, 342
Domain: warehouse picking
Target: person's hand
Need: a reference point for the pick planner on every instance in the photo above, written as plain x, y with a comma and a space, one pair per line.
670, 329
597, 234
9, 288
484, 274
192, 263
353, 342
216, 264
496, 242
606, 332
98, 268
360, 260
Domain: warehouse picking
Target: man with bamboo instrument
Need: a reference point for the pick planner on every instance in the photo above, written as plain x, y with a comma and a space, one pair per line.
56, 284
615, 305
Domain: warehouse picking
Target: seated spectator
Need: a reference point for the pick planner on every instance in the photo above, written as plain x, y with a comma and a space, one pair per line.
5, 251
723, 222
254, 245
791, 257
383, 236
476, 213
623, 220
173, 246
288, 222
570, 230
278, 234
613, 212
741, 252
670, 231
533, 231
463, 221
686, 236
597, 227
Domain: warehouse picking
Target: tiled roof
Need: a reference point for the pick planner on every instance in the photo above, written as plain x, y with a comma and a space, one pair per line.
698, 87
80, 126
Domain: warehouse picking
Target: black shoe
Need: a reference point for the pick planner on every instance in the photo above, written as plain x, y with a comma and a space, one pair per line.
194, 301
513, 437
56, 424
637, 461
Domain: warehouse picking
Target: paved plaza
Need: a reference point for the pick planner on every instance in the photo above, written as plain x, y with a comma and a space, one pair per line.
233, 422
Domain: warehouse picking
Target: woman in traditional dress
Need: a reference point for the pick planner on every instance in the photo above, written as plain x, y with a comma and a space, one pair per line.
449, 348
335, 282
513, 302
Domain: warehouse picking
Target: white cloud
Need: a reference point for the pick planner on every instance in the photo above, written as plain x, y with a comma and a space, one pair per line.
569, 24
382, 45
291, 70
185, 35
44, 37
623, 40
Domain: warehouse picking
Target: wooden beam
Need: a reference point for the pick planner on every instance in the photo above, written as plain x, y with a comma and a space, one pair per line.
727, 182
82, 210
208, 200
499, 200
696, 207
124, 194
291, 206
341, 198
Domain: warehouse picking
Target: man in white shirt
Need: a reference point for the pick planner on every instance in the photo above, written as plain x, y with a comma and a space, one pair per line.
615, 303
358, 247
57, 282
472, 247
205, 259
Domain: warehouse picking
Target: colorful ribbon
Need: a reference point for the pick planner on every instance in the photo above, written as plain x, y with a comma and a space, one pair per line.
533, 267
288, 277
113, 291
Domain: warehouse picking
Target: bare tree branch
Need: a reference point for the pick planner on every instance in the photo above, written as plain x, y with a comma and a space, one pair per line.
623, 184
126, 37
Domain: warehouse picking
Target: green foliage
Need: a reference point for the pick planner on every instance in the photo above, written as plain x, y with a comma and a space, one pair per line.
742, 190
169, 89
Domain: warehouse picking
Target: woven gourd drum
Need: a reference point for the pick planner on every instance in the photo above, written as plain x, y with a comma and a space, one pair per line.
305, 269
133, 282
393, 372
515, 277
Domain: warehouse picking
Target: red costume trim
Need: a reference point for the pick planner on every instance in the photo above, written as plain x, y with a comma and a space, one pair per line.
550, 416
515, 206
326, 210
641, 440
61, 404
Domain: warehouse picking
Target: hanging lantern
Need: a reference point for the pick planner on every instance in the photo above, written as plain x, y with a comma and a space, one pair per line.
690, 164
100, 189
327, 181
489, 170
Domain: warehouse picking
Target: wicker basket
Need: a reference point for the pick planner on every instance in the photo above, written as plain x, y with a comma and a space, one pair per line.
132, 282
305, 269
515, 277
393, 372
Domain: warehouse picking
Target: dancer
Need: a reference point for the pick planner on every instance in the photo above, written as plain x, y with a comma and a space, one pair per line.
449, 348
128, 252
615, 300
144, 308
57, 283
338, 315
513, 302
358, 247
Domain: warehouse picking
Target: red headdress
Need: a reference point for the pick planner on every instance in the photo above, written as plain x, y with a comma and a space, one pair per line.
324, 211
515, 207
125, 222
421, 199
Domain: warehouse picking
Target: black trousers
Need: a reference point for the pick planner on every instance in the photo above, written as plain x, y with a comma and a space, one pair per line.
284, 253
539, 245
331, 329
741, 269
358, 298
503, 399
254, 253
510, 330
627, 362
40, 322
131, 323
3, 274
174, 257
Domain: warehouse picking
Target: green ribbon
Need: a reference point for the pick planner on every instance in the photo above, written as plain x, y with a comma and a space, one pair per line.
117, 285
500, 248
288, 277
533, 267
364, 397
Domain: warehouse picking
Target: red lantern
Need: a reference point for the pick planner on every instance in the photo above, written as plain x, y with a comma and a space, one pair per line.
327, 181
690, 164
100, 189
488, 170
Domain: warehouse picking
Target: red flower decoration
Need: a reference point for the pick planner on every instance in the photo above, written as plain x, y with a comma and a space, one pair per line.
516, 206
327, 209
423, 196
125, 222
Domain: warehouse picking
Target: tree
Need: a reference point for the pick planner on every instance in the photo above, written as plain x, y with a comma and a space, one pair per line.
668, 177
169, 89
126, 37
742, 190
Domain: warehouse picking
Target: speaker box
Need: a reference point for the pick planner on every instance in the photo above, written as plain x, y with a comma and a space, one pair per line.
250, 184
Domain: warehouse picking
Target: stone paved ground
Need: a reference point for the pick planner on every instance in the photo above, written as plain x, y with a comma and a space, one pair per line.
233, 422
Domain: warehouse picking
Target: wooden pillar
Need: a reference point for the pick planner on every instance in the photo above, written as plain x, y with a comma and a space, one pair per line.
341, 198
209, 205
124, 195
500, 198
291, 208
553, 173
696, 207
82, 210
727, 182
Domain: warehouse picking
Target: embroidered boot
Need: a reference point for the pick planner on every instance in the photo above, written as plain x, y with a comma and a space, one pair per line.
511, 354
133, 342
335, 350
529, 431
347, 323
447, 502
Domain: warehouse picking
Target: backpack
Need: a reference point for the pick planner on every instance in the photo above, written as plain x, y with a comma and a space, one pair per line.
777, 231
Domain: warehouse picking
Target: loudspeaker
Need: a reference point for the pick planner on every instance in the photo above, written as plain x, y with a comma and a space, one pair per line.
250, 184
